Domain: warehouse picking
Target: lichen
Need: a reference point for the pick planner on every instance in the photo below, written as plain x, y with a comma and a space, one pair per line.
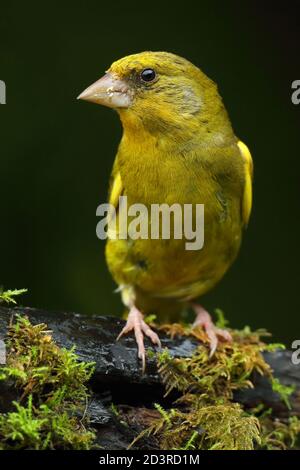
205, 416
51, 384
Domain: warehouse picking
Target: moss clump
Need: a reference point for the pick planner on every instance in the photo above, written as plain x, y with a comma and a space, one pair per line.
8, 296
278, 435
205, 416
50, 413
199, 425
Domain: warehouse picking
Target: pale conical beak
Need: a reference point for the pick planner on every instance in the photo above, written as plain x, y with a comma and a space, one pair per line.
109, 91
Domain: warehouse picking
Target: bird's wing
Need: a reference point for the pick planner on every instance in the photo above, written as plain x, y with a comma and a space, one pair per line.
116, 189
247, 196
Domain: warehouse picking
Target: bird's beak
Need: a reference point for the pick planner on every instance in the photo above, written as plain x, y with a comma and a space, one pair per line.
109, 91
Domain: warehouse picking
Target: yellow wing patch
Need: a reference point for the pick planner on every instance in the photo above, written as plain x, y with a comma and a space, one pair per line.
116, 191
247, 197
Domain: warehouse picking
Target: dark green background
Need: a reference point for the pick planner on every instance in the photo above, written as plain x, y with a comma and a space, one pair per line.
56, 152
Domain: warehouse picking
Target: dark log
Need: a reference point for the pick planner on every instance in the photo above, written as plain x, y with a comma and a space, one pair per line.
118, 377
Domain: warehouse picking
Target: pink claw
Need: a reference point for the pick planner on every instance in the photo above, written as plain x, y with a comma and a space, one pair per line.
136, 323
203, 319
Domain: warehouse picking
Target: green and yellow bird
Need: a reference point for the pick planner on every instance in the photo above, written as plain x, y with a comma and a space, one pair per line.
178, 147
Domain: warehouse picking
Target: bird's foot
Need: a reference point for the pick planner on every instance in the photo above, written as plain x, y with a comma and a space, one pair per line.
136, 323
214, 333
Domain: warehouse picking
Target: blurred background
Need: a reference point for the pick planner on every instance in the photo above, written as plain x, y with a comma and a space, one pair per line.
56, 153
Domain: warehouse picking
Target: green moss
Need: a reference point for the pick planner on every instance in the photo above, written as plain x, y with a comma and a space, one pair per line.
8, 296
50, 413
279, 435
222, 426
114, 409
205, 416
283, 390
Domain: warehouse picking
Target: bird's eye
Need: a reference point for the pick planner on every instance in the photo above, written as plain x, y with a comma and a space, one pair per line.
148, 75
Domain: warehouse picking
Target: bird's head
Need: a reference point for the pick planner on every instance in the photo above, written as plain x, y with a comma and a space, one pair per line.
159, 92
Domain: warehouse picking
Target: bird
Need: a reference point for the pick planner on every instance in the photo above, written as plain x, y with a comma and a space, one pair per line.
178, 147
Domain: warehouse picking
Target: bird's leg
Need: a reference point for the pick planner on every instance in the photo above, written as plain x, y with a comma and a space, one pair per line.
136, 323
203, 319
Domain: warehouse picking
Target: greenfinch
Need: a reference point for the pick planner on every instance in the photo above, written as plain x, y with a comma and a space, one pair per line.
178, 147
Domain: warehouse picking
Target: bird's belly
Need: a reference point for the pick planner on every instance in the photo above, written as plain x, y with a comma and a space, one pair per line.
166, 269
